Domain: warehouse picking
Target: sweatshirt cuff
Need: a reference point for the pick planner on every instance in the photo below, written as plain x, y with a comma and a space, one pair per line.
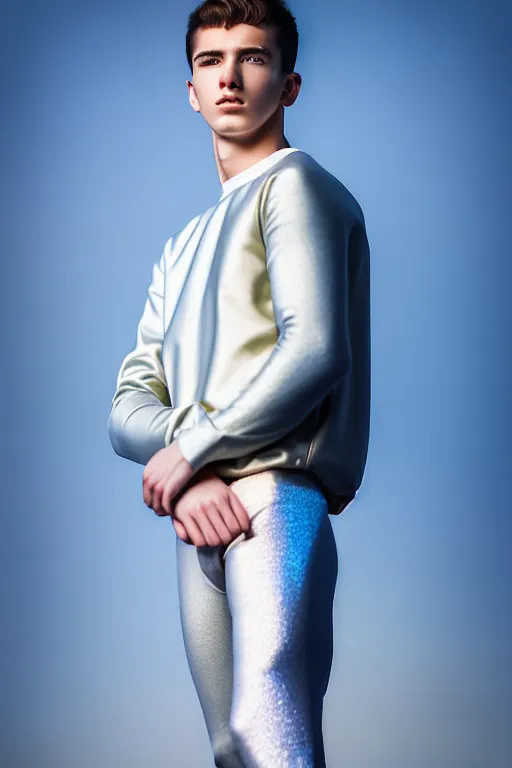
198, 442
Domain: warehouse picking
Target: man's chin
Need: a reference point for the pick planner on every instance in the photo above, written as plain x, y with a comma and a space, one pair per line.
235, 129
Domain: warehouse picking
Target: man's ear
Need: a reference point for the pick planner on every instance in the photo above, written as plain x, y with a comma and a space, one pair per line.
291, 89
192, 96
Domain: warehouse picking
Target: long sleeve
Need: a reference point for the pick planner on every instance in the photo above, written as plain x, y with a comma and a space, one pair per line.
305, 226
142, 419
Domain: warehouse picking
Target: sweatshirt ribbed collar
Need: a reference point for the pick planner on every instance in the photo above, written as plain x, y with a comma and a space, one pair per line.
255, 170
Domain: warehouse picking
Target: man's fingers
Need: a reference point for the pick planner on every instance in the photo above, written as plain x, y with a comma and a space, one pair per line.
156, 500
194, 532
151, 493
225, 524
181, 530
146, 491
231, 519
168, 495
240, 511
208, 529
167, 472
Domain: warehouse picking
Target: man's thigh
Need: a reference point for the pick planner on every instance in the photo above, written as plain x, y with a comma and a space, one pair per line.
206, 626
271, 580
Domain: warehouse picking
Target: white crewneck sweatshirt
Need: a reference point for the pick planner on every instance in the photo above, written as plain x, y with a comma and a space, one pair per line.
253, 349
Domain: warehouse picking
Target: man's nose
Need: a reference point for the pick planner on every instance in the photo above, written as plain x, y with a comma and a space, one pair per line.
230, 75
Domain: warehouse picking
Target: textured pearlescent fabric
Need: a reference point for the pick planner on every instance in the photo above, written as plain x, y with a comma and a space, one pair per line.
253, 349
258, 625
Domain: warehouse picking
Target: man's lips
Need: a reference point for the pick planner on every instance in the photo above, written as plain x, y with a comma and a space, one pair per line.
224, 101
230, 106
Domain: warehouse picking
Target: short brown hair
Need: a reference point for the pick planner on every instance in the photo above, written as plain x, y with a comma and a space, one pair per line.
227, 13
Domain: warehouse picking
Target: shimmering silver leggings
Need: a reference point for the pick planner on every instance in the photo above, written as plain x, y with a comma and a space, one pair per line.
257, 625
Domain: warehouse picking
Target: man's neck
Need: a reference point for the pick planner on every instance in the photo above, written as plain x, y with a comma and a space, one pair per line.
233, 158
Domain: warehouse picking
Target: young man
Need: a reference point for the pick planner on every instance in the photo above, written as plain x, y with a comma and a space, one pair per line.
247, 396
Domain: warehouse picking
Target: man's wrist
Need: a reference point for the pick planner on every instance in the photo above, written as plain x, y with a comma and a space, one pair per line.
205, 473
208, 473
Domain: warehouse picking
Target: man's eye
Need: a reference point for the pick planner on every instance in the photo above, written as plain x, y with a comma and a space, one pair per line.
209, 61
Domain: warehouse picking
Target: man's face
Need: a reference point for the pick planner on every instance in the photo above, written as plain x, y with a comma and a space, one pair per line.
253, 78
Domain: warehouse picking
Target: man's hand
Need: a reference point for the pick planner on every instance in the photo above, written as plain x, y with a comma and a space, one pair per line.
165, 474
209, 512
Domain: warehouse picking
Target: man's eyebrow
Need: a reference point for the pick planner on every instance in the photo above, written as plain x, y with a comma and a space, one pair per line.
250, 49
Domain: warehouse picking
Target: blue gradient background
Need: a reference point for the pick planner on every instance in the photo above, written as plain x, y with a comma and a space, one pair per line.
103, 160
